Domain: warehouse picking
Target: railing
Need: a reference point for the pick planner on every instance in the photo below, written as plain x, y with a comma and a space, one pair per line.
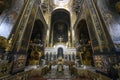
28, 75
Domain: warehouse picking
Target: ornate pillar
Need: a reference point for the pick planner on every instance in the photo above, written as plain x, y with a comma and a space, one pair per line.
65, 56
68, 57
56, 55
51, 43
52, 56
48, 56
75, 55
45, 55
71, 56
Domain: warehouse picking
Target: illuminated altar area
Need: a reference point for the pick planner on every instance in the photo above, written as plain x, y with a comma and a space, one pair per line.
59, 39
65, 52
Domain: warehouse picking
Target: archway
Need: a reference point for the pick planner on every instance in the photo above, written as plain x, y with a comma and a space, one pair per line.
38, 31
36, 45
60, 52
84, 43
60, 26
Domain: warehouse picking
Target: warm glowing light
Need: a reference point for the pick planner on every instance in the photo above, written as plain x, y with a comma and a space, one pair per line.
61, 3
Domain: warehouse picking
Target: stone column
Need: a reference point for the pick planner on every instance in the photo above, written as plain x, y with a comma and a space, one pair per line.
45, 56
65, 56
68, 57
55, 56
48, 56
52, 57
71, 56
75, 55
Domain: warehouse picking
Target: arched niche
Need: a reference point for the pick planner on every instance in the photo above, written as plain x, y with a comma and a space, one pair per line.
60, 25
82, 34
60, 52
38, 30
36, 45
83, 43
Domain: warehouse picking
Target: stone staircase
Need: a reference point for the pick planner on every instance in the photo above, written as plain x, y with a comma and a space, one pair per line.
53, 74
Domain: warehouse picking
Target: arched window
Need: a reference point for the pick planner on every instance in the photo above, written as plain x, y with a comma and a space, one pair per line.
60, 52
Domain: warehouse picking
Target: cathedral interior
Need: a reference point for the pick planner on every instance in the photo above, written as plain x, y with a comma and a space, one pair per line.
59, 39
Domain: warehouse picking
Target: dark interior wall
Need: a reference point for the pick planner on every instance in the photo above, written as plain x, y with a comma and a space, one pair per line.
38, 30
9, 18
112, 20
60, 25
112, 3
82, 30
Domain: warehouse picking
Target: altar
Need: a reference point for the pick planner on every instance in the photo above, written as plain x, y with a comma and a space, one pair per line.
52, 53
60, 63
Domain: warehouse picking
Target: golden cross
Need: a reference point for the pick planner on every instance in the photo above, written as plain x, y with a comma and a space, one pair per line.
60, 39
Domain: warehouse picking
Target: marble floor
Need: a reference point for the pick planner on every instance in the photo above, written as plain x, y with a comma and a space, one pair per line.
64, 75
54, 74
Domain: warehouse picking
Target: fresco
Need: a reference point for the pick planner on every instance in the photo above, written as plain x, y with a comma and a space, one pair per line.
11, 17
103, 63
112, 21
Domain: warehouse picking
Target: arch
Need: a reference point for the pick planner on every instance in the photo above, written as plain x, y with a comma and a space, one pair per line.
84, 42
82, 30
60, 45
61, 10
36, 41
60, 14
38, 29
60, 52
46, 56
60, 25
